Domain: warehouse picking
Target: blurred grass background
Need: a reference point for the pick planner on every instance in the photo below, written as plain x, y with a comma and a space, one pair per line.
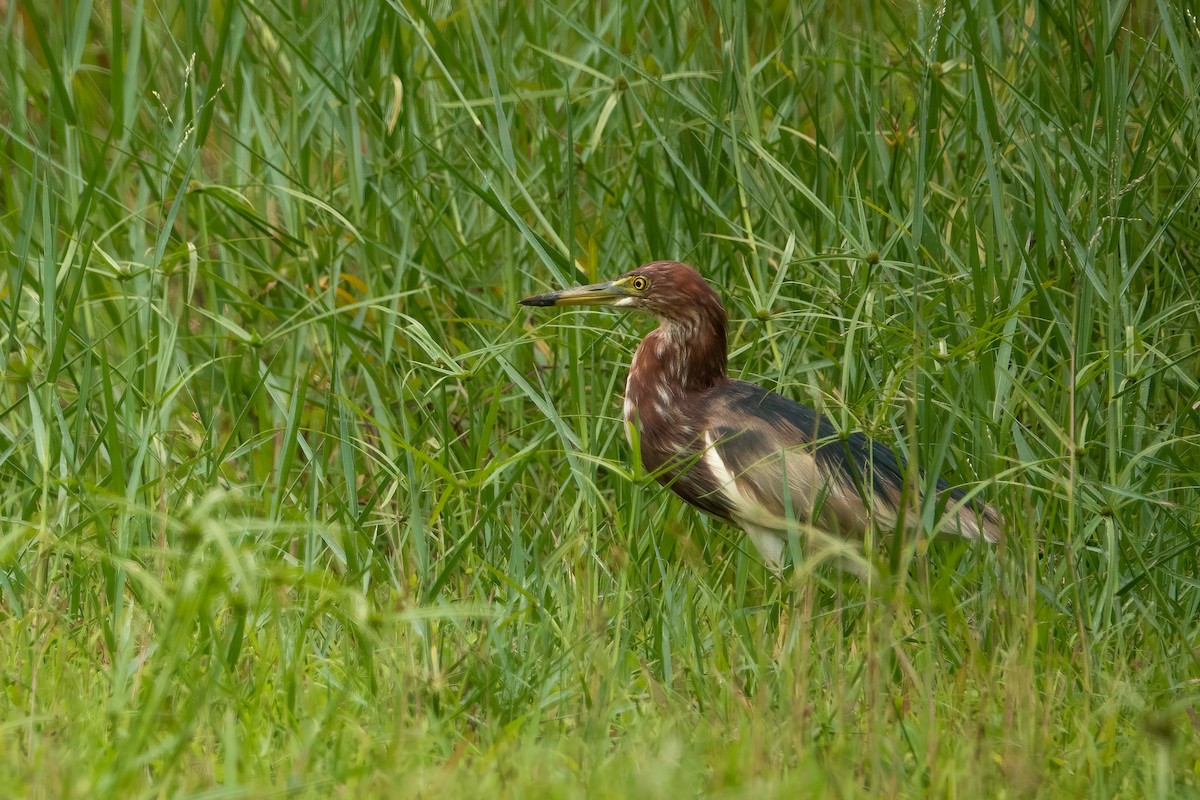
296, 500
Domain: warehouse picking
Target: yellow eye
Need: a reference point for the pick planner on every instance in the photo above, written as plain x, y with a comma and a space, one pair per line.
639, 284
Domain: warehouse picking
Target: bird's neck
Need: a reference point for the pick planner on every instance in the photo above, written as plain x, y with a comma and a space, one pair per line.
680, 357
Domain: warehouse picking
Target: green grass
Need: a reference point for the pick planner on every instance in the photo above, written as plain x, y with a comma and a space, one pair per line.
297, 500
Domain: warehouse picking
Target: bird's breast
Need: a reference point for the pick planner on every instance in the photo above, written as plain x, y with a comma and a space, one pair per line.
659, 411
653, 409
670, 440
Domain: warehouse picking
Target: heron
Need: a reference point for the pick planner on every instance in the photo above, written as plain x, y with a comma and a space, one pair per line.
743, 454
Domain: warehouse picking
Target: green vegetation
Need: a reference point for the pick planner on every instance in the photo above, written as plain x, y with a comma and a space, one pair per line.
296, 499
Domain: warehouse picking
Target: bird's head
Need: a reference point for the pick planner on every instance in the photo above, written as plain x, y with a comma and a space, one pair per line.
669, 290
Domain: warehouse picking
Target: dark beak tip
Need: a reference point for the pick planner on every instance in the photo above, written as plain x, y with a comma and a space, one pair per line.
537, 300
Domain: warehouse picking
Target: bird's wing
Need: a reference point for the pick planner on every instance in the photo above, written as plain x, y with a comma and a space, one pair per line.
775, 462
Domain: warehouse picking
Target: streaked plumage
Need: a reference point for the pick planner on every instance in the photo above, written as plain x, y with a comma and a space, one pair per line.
743, 454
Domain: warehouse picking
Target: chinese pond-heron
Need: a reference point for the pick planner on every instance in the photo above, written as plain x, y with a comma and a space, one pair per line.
746, 455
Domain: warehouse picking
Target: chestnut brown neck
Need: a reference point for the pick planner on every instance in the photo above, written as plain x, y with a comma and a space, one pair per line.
686, 354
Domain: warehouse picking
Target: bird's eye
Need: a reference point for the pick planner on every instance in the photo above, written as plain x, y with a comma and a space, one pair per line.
639, 284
